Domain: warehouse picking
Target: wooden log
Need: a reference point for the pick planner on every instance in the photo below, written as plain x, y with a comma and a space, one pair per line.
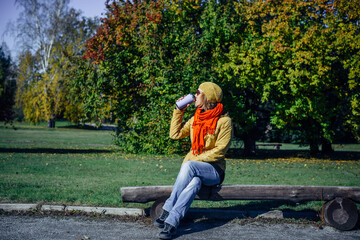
247, 192
156, 208
341, 214
144, 194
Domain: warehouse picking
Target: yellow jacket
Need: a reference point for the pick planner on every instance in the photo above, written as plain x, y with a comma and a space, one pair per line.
216, 145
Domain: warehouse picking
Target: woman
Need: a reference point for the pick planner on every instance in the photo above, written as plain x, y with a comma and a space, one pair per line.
210, 131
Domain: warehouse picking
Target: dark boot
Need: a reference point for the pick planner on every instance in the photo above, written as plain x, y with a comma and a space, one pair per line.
160, 221
168, 233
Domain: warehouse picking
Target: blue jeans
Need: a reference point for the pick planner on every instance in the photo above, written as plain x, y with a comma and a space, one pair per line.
188, 183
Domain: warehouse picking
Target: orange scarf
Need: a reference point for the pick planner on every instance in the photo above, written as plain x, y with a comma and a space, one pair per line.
204, 122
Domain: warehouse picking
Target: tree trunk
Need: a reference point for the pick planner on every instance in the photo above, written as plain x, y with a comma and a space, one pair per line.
326, 147
249, 146
51, 122
314, 147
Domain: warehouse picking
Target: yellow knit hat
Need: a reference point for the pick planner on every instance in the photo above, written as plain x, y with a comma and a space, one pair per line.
212, 92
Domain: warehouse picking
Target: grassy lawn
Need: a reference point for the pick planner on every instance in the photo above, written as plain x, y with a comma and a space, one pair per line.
66, 165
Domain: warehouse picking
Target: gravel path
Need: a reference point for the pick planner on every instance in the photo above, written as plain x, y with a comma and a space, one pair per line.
79, 227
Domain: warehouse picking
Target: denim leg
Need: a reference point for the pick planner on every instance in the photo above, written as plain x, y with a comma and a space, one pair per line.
188, 183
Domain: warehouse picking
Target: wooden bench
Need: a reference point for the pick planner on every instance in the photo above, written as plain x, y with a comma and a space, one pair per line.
340, 211
275, 145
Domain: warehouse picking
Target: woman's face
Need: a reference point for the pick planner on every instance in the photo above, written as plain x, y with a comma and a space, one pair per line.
199, 99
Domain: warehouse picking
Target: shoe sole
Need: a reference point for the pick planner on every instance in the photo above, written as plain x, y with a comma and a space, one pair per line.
167, 237
159, 225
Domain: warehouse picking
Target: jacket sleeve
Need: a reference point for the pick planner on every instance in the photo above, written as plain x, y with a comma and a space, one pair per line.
222, 144
179, 130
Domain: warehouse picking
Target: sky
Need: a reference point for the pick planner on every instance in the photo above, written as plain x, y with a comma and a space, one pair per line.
10, 12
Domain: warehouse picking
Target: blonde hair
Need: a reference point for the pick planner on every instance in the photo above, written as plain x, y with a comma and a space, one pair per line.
207, 104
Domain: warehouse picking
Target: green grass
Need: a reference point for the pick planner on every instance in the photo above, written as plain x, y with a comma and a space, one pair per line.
64, 135
81, 167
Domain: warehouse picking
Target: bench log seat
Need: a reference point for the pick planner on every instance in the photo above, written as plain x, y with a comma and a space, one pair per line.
340, 211
275, 145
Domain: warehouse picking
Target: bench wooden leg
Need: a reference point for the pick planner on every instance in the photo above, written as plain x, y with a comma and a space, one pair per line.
341, 214
156, 208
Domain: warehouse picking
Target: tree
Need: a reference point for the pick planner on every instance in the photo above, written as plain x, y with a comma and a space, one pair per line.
69, 51
39, 28
310, 82
280, 63
45, 29
28, 88
7, 87
4, 69
143, 66
241, 62
345, 18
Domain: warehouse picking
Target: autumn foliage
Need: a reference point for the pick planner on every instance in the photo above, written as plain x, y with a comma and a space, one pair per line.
284, 64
